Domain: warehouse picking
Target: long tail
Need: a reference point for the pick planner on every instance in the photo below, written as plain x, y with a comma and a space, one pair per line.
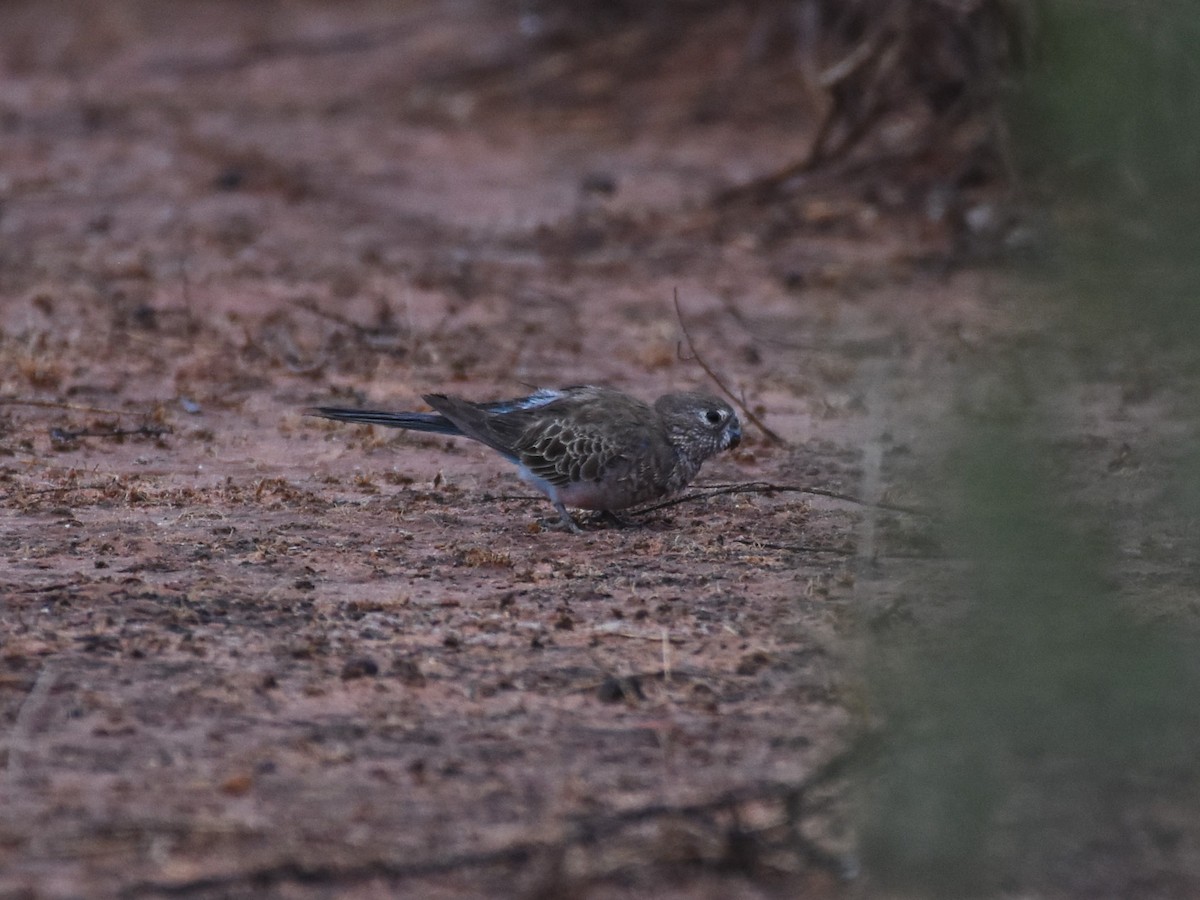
430, 422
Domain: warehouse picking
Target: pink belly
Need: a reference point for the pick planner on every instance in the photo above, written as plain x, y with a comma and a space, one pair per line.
589, 496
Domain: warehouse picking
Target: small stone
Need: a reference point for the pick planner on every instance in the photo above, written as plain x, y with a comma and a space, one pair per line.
360, 667
237, 786
614, 690
408, 672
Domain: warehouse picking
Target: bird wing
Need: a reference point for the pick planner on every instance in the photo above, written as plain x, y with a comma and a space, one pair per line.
498, 425
562, 437
432, 422
539, 398
562, 450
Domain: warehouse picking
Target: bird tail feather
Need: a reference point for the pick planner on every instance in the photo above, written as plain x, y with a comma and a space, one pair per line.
429, 422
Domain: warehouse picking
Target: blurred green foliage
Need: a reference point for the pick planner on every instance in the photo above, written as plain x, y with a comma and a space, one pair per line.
1031, 726
1109, 114
1042, 733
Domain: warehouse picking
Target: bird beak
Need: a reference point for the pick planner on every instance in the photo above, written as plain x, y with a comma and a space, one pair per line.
735, 437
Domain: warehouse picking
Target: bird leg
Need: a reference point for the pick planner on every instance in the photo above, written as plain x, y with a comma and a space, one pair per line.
566, 518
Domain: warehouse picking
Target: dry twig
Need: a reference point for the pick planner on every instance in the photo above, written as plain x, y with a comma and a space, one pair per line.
578, 831
766, 487
66, 436
272, 51
25, 726
758, 422
59, 404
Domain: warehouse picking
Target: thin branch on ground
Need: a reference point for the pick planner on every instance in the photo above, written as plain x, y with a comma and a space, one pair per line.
46, 588
794, 548
766, 487
185, 288
578, 831
868, 66
66, 436
378, 339
24, 726
271, 51
59, 404
62, 489
758, 422
309, 305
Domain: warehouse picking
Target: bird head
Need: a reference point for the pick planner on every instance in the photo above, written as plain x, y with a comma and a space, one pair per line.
699, 423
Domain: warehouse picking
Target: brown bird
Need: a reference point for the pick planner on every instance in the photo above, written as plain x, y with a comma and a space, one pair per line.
586, 447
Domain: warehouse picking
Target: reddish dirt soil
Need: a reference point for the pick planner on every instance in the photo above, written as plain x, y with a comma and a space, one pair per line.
251, 653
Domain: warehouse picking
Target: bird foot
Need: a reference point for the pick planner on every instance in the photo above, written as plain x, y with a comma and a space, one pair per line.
570, 525
602, 518
564, 521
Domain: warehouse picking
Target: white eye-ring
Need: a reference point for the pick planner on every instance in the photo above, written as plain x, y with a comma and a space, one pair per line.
714, 416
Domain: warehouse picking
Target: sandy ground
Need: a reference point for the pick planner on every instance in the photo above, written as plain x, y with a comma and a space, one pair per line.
250, 653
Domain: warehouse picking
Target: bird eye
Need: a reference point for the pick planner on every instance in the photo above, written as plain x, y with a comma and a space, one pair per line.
714, 417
